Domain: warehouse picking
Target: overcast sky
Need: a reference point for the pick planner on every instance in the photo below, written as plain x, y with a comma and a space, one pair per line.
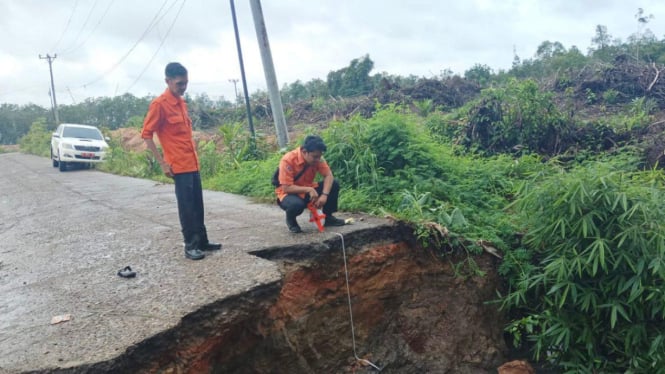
110, 47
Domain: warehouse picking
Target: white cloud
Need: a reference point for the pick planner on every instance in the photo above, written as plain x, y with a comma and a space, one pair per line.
308, 40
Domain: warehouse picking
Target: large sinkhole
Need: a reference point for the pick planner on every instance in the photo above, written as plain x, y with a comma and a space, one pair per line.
412, 313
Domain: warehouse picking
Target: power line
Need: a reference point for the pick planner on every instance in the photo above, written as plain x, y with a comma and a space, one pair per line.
152, 24
71, 95
85, 23
73, 49
66, 26
168, 31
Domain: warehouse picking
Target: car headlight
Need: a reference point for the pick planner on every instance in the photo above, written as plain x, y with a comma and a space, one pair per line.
67, 146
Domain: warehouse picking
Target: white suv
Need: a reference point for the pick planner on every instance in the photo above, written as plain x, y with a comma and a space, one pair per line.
72, 143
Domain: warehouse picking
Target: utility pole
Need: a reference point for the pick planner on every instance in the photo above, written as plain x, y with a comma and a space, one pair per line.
242, 72
235, 89
269, 71
54, 103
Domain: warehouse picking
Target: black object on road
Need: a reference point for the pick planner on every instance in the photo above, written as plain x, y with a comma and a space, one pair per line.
127, 272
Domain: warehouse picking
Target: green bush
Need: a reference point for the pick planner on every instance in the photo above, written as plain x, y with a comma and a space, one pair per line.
424, 107
519, 115
210, 161
637, 117
129, 163
392, 142
611, 96
251, 178
589, 281
389, 163
448, 127
38, 139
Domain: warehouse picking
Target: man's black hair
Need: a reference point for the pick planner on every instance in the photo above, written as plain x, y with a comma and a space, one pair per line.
314, 143
175, 69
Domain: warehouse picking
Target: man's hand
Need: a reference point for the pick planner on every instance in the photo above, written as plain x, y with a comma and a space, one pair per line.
321, 201
312, 193
166, 168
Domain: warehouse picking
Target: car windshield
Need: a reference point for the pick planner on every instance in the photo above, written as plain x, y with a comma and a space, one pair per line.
81, 132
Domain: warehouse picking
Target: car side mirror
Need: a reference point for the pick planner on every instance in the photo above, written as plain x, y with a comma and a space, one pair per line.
107, 138
55, 135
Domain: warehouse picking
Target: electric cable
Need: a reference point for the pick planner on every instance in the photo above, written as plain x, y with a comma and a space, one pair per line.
85, 23
348, 294
69, 21
73, 49
152, 24
168, 31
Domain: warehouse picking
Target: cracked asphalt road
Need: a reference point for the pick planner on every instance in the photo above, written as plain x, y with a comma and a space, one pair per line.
64, 236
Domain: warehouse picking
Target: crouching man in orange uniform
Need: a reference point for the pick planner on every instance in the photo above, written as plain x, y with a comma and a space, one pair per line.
297, 170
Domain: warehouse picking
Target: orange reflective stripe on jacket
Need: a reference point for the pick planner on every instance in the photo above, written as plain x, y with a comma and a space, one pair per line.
167, 117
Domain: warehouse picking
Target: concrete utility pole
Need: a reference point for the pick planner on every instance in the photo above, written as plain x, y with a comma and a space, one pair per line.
54, 103
269, 70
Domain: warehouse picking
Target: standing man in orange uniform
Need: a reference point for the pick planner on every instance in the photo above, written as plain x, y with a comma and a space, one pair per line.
167, 118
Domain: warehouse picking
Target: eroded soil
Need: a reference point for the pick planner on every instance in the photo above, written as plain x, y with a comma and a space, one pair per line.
411, 314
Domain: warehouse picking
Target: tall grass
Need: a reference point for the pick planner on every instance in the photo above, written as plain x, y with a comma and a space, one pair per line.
589, 279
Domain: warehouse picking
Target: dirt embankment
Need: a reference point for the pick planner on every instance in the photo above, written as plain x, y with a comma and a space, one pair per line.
130, 138
411, 314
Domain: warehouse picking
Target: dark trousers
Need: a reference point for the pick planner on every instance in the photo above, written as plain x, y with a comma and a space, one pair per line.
294, 205
189, 194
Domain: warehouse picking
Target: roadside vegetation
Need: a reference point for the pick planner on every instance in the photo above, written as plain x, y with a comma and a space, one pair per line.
553, 165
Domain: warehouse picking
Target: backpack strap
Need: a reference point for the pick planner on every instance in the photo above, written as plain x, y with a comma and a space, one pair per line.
300, 173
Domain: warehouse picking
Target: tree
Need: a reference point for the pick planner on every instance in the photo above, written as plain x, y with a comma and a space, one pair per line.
352, 80
480, 74
603, 46
547, 50
294, 92
602, 39
201, 111
641, 33
111, 112
15, 121
317, 88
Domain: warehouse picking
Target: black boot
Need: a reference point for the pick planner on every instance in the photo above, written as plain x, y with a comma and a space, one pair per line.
292, 223
194, 254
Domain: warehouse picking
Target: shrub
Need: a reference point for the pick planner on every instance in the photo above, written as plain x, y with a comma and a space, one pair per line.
589, 280
611, 96
424, 107
209, 159
518, 115
129, 163
38, 139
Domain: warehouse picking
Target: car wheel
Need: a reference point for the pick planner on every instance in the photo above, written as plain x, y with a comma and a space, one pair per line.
62, 164
55, 162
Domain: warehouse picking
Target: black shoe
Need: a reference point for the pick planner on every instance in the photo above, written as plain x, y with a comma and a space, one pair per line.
194, 254
127, 272
293, 225
334, 221
212, 246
